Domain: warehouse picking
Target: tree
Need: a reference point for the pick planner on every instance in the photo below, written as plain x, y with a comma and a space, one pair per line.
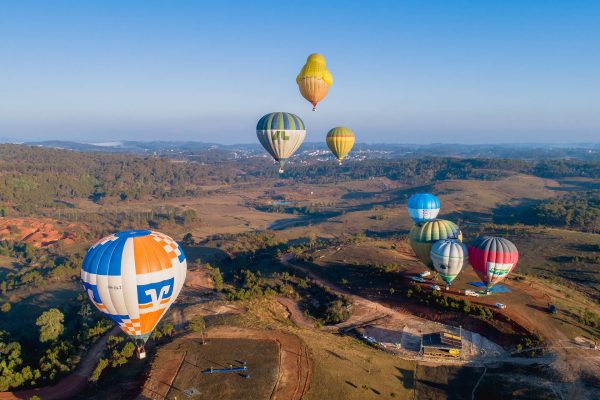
188, 240
51, 324
102, 364
217, 278
336, 312
5, 307
198, 325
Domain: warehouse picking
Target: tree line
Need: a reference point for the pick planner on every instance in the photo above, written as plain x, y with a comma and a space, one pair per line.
33, 178
580, 211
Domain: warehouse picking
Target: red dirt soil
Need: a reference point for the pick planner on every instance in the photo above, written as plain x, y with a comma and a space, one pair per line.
40, 232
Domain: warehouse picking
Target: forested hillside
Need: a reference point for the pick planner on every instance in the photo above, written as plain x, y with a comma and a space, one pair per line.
32, 178
580, 211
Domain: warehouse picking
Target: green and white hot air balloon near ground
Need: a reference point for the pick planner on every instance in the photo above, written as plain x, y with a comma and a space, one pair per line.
281, 134
423, 236
448, 257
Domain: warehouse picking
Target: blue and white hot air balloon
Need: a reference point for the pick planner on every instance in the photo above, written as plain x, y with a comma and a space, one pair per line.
423, 207
133, 277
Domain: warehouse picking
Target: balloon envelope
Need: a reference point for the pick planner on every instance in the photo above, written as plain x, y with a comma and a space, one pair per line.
133, 277
340, 141
423, 207
422, 237
314, 79
280, 133
493, 258
448, 257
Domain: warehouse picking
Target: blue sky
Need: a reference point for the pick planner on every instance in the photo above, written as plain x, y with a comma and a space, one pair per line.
404, 71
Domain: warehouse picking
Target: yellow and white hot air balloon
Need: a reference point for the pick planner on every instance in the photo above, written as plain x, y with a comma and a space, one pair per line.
340, 141
314, 79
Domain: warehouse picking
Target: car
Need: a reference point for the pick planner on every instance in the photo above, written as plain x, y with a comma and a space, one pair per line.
471, 293
500, 305
417, 279
425, 274
435, 287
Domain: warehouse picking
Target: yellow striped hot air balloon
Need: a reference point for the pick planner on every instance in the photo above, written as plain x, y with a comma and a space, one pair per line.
314, 79
340, 141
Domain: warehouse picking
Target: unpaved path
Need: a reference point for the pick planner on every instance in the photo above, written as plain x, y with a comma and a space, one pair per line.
71, 385
296, 314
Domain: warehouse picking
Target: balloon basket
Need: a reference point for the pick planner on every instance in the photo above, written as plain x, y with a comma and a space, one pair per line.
280, 170
141, 353
314, 108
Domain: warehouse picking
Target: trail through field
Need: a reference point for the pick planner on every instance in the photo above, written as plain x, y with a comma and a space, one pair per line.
296, 314
71, 385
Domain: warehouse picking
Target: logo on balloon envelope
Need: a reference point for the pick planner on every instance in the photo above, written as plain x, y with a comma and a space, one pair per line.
151, 296
279, 135
498, 269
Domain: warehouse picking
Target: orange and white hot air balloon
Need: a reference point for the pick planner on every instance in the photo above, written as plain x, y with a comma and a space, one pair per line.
314, 79
133, 277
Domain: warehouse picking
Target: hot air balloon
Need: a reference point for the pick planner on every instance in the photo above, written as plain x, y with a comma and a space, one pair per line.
448, 257
314, 79
340, 141
423, 207
133, 277
493, 258
422, 237
281, 134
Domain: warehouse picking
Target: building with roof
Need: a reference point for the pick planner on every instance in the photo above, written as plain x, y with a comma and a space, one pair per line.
441, 344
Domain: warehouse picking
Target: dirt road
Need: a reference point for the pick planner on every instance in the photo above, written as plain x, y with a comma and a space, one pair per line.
71, 385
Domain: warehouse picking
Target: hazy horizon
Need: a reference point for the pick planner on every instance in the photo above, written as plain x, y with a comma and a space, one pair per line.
436, 72
116, 142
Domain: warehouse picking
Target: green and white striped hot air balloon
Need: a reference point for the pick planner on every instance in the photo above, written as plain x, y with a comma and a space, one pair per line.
448, 257
281, 134
423, 236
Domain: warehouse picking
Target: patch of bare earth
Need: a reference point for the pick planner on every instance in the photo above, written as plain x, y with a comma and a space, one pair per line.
40, 232
293, 369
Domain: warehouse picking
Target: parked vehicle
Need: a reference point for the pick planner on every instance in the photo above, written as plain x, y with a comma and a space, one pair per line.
417, 279
425, 274
471, 293
500, 305
435, 287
